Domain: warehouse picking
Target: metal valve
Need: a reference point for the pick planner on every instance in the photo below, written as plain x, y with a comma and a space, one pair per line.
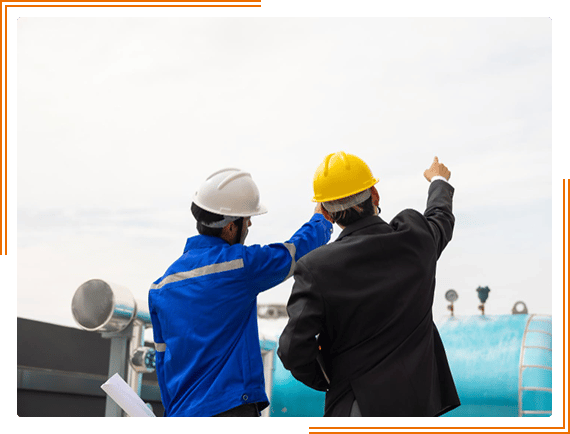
483, 293
451, 296
144, 360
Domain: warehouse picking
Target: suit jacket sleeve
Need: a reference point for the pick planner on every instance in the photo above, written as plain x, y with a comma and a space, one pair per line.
298, 347
439, 213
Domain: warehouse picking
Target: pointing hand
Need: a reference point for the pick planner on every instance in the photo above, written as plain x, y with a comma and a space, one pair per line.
437, 169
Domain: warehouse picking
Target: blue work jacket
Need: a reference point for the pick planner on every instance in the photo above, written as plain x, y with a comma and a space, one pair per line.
204, 319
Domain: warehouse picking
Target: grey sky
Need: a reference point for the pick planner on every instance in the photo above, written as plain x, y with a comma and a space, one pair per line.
119, 120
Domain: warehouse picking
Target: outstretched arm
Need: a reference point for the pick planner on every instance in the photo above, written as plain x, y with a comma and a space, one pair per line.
272, 264
439, 210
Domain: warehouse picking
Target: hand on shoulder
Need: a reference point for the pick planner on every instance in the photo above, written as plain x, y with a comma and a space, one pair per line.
319, 209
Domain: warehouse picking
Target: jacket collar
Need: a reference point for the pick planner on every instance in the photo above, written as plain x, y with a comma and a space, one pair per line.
361, 224
203, 241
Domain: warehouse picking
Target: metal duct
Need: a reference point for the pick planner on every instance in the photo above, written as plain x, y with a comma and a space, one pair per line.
104, 307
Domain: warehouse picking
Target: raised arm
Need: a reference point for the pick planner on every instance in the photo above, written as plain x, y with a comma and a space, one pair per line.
272, 264
439, 209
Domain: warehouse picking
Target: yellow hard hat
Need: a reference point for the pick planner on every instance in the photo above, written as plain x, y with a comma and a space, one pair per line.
341, 175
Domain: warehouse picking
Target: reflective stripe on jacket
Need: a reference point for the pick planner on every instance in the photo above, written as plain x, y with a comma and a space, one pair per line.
204, 318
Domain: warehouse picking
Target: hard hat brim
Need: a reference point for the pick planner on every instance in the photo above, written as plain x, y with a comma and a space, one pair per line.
328, 199
261, 209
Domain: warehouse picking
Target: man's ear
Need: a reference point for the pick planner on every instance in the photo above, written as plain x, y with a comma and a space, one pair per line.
229, 232
375, 196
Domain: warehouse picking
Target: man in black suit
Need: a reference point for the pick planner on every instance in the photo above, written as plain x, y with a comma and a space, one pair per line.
360, 312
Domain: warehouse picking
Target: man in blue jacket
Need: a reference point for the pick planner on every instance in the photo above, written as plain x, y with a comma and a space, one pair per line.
204, 310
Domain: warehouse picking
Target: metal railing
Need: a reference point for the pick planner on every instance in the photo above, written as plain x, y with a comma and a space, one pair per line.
523, 366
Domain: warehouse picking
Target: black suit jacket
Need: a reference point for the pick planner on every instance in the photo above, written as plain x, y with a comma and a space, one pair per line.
368, 297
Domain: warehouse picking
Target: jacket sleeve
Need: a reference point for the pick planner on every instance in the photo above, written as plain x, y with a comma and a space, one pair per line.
439, 213
298, 347
270, 265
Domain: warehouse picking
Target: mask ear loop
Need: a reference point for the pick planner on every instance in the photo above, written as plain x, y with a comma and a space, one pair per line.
239, 223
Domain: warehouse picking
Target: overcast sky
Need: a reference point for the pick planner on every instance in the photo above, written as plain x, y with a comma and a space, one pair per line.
120, 120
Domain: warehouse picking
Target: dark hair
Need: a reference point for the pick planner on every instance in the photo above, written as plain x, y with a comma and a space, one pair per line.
203, 216
352, 215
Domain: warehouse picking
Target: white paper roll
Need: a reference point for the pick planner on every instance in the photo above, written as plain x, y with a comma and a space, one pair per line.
126, 397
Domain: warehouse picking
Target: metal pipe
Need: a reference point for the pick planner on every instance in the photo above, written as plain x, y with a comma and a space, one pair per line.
104, 307
134, 377
117, 365
113, 311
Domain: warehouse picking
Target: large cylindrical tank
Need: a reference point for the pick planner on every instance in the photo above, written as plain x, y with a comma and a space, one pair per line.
291, 398
502, 365
287, 396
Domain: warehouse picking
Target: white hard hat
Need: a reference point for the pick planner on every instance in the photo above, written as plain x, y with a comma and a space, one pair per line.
230, 192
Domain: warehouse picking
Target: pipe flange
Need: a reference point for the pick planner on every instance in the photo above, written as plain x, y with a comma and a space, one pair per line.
520, 308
